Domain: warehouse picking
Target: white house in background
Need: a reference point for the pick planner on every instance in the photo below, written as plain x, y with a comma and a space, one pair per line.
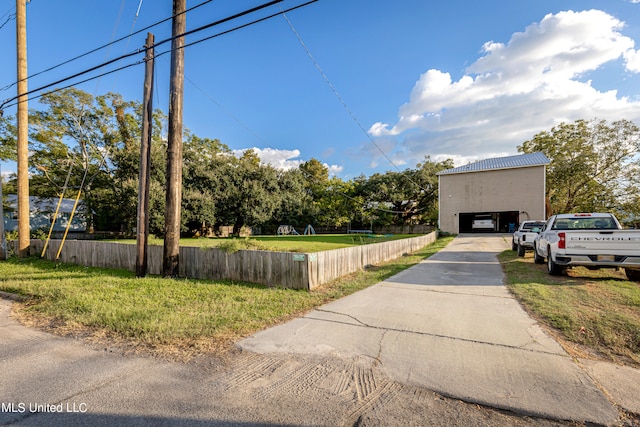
492, 195
42, 210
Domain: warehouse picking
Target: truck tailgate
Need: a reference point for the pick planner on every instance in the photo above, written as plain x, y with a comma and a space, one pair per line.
614, 242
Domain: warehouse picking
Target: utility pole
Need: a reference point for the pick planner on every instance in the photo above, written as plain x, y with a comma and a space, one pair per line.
171, 250
3, 239
142, 241
24, 229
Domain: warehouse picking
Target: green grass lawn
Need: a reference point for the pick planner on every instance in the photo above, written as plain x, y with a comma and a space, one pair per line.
302, 243
177, 317
594, 312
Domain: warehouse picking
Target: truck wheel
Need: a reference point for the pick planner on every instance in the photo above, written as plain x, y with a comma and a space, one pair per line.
537, 258
513, 245
632, 274
553, 268
521, 250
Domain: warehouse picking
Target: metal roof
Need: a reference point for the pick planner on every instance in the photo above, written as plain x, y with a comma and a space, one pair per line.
44, 204
510, 162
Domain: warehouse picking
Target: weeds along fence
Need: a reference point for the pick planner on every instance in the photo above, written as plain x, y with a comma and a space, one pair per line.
281, 269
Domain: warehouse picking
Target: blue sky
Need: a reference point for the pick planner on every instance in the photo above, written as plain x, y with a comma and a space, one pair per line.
457, 79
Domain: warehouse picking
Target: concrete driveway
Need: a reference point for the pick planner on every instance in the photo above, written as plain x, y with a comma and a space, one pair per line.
450, 325
446, 325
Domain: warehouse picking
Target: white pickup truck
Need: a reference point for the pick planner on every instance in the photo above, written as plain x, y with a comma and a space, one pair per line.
593, 240
524, 236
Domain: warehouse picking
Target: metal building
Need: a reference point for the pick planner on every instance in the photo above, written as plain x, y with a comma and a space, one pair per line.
492, 195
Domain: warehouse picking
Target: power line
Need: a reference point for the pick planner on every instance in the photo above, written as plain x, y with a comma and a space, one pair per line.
342, 101
12, 16
222, 21
135, 19
259, 138
78, 74
106, 45
239, 27
113, 34
72, 84
9, 18
142, 49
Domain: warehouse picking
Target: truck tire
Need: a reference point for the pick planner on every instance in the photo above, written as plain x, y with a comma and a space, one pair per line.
553, 268
633, 275
513, 245
521, 250
537, 258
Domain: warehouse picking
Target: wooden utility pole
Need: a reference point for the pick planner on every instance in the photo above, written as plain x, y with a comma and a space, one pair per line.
24, 229
171, 250
3, 240
142, 241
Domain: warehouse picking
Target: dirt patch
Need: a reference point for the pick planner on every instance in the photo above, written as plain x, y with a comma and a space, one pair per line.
100, 339
297, 390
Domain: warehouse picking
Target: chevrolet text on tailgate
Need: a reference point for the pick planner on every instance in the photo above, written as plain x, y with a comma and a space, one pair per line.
593, 240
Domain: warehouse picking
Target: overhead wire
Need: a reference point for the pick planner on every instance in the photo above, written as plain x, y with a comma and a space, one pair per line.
6, 104
113, 34
135, 19
341, 99
193, 31
9, 18
11, 9
224, 20
259, 138
75, 58
78, 74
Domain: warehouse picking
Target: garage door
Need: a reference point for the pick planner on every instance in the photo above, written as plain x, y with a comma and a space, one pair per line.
488, 222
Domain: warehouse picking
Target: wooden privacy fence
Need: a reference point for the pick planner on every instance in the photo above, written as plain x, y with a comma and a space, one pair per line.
282, 269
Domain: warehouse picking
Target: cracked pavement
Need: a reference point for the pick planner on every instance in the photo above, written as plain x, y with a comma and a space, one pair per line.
409, 351
450, 325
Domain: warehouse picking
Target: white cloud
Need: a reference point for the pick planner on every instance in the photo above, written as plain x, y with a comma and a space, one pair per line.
5, 175
334, 170
632, 58
283, 159
514, 91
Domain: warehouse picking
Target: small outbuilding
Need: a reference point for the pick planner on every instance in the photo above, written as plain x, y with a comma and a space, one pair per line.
492, 195
42, 210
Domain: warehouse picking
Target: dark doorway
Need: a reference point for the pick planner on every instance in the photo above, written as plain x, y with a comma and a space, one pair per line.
488, 222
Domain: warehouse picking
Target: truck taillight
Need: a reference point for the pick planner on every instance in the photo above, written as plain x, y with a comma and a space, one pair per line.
562, 243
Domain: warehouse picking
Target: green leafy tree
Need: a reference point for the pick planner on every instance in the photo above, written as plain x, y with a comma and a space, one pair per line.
595, 166
404, 197
249, 192
203, 165
295, 202
95, 141
72, 137
330, 201
338, 203
316, 181
8, 148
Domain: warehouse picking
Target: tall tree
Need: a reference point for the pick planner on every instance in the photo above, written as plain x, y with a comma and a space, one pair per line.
316, 179
249, 192
595, 166
75, 133
410, 196
203, 162
295, 202
7, 138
